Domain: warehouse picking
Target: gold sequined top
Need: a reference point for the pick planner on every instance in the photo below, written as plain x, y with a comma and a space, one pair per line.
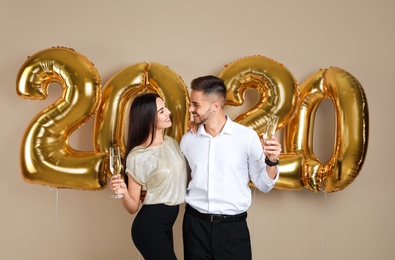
160, 170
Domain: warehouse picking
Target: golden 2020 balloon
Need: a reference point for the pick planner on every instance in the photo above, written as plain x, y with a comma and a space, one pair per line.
46, 156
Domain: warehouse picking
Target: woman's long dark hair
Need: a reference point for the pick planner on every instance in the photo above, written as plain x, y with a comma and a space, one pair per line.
142, 118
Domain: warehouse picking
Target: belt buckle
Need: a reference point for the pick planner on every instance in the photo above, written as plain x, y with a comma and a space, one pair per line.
215, 218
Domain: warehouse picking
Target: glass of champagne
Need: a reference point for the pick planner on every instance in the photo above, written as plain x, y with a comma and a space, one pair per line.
115, 165
269, 131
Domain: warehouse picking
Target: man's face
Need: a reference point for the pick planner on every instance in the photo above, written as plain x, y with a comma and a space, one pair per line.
201, 107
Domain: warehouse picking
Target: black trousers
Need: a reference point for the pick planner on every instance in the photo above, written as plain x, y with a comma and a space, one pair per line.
215, 240
152, 231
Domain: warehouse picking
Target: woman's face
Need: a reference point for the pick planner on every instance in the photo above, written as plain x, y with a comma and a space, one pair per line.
162, 115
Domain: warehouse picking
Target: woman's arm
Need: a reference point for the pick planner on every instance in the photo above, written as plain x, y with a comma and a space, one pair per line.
131, 194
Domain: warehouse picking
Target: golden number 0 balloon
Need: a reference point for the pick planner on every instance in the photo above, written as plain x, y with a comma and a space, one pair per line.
351, 136
120, 90
46, 156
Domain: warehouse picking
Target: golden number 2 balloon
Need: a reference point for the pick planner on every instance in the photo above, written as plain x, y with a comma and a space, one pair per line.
121, 89
278, 94
46, 156
276, 86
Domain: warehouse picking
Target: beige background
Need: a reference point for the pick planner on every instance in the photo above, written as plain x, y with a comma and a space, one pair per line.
196, 38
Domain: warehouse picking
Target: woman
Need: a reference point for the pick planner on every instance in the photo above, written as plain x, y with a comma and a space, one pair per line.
154, 164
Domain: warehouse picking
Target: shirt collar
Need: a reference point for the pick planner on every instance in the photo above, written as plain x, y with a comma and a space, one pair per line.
227, 129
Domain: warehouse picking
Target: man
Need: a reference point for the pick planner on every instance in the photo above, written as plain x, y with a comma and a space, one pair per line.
223, 157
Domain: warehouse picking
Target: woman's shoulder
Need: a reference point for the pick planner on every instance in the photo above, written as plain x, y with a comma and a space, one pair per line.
137, 153
170, 139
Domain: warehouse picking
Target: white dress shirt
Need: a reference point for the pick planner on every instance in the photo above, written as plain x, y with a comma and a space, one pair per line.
221, 168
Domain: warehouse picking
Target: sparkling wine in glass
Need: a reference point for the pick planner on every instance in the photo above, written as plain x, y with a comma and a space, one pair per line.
269, 131
115, 165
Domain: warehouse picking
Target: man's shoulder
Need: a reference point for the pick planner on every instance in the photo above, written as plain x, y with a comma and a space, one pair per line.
188, 136
242, 128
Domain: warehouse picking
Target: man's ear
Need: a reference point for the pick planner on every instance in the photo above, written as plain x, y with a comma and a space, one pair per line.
216, 105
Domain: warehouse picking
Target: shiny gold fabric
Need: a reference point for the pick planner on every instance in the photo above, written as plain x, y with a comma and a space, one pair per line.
161, 170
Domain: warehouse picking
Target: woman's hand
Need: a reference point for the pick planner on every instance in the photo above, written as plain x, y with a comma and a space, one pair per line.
117, 185
192, 127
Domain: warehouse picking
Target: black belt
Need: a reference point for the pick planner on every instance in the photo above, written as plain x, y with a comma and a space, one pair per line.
216, 217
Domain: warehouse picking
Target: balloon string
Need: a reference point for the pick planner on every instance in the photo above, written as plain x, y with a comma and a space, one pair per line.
57, 206
325, 224
56, 202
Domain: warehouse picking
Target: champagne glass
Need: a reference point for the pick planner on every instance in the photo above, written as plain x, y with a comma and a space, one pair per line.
115, 166
269, 131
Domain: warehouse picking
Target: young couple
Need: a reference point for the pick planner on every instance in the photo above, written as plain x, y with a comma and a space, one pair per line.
222, 157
